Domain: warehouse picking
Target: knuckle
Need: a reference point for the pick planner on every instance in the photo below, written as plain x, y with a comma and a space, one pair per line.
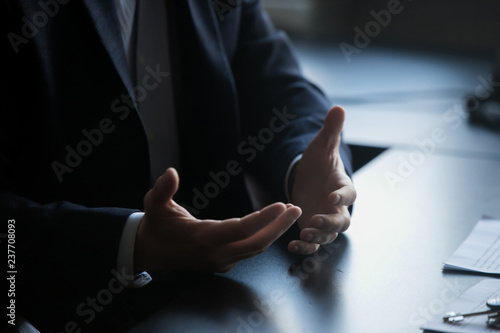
320, 238
312, 248
326, 238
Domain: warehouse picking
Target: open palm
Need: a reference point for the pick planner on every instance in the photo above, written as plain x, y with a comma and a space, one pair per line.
321, 188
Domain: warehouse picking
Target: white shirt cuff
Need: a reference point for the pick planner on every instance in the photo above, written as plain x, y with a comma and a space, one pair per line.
125, 260
288, 190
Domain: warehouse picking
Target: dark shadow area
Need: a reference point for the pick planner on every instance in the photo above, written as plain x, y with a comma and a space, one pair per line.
362, 155
466, 273
316, 271
321, 268
317, 276
212, 304
451, 26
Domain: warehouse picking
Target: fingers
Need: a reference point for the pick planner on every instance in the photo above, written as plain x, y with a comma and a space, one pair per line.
333, 124
336, 222
317, 236
266, 236
239, 239
165, 186
344, 196
324, 229
300, 247
233, 230
334, 120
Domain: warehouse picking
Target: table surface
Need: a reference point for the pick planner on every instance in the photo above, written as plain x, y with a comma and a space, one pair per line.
384, 274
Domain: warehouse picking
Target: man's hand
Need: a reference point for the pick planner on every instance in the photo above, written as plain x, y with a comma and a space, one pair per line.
169, 238
322, 189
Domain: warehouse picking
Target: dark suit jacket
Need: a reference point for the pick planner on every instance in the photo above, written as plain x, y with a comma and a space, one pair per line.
65, 76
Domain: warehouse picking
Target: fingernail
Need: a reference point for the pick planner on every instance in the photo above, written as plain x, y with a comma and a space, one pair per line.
294, 248
319, 223
308, 237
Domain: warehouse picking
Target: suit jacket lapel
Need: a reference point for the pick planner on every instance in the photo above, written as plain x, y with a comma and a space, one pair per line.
103, 14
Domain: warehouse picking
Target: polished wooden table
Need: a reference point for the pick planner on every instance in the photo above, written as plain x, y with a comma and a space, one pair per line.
383, 275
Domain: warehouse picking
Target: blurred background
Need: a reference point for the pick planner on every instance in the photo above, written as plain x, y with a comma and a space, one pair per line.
470, 26
400, 68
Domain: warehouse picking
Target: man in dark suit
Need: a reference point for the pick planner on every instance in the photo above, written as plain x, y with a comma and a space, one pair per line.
78, 156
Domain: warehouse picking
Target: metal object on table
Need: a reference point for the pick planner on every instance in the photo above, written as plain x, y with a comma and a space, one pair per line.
493, 314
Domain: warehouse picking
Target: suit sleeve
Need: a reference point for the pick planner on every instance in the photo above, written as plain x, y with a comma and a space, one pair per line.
271, 85
65, 253
68, 230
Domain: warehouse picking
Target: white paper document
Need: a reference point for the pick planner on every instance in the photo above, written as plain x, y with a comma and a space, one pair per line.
480, 252
472, 300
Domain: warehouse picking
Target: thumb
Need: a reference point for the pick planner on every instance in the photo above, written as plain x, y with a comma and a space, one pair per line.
333, 124
166, 186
